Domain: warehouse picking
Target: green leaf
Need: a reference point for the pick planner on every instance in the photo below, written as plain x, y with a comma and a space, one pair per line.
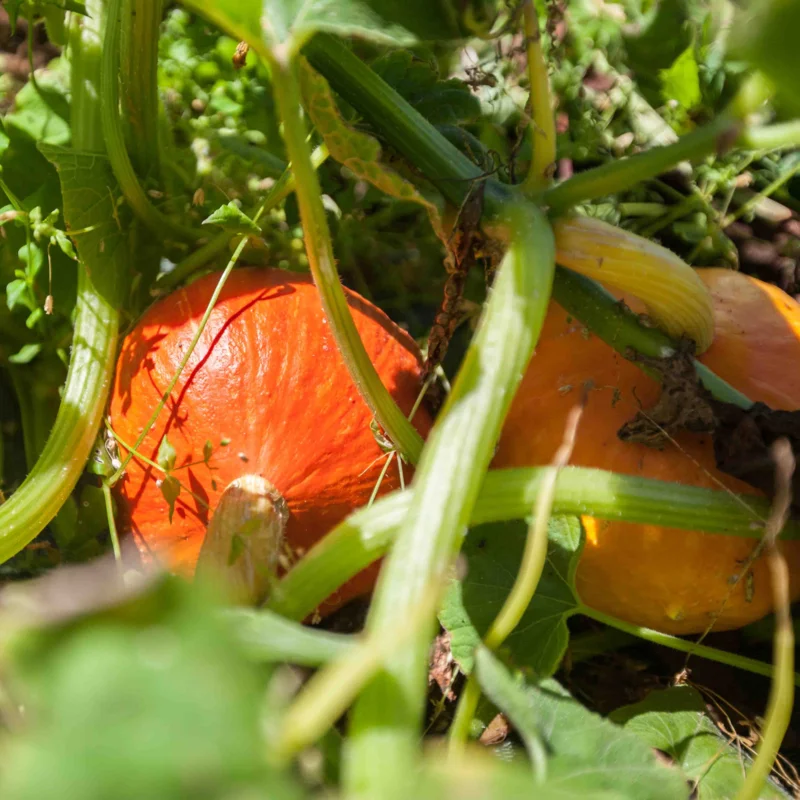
41, 114
579, 750
662, 37
288, 24
170, 489
26, 354
90, 193
166, 455
157, 690
681, 82
674, 721
493, 553
232, 218
447, 102
358, 151
765, 34
31, 256
16, 293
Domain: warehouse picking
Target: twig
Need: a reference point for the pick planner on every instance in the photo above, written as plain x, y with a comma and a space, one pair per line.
781, 696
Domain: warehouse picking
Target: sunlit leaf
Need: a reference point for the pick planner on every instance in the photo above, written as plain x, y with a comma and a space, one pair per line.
232, 218
358, 151
493, 554
659, 41
166, 455
675, 722
681, 82
26, 353
578, 750
288, 24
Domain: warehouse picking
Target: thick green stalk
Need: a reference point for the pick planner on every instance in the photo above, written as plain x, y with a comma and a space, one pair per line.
401, 125
455, 175
534, 558
542, 124
619, 327
141, 26
323, 267
510, 494
617, 176
772, 137
386, 720
51, 481
111, 122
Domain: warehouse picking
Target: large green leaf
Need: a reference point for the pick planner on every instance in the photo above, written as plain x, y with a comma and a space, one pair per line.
90, 192
493, 554
441, 102
572, 747
148, 698
288, 24
657, 44
675, 721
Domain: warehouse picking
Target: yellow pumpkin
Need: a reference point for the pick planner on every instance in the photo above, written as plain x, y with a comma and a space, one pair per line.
676, 581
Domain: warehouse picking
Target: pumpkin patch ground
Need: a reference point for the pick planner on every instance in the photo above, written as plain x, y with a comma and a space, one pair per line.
399, 400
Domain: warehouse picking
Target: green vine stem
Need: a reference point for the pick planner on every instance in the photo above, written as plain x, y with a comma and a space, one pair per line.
139, 81
270, 638
617, 176
323, 267
619, 327
780, 136
111, 122
508, 494
386, 719
684, 645
542, 123
51, 481
454, 174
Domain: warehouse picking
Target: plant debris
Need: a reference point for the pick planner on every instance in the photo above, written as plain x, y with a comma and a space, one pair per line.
743, 438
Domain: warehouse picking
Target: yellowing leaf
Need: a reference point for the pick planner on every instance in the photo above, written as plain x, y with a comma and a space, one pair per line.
358, 151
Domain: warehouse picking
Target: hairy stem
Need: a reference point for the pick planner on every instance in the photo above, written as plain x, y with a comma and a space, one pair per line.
139, 81
121, 163
51, 481
542, 124
509, 494
386, 720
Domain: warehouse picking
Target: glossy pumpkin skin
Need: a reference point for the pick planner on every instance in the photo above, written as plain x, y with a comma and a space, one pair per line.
672, 580
267, 376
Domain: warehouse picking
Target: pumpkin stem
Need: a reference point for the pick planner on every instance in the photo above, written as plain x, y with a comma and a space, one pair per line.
244, 539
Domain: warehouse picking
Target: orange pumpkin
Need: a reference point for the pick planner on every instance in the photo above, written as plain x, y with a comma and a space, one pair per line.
672, 580
266, 377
